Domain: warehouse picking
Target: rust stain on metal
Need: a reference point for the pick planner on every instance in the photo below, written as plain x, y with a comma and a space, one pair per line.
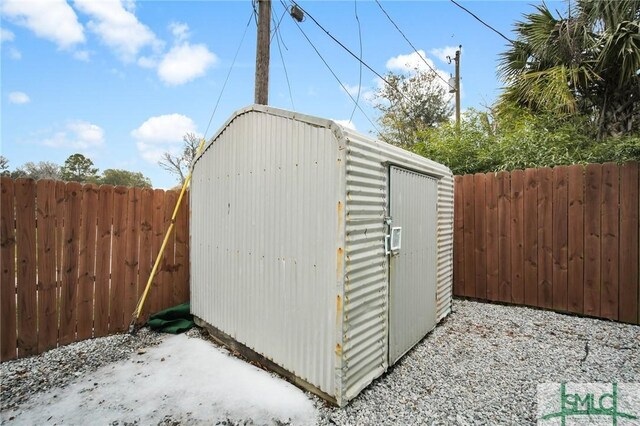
338, 349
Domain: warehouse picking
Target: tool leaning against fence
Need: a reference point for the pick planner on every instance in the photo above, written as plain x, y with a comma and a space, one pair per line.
143, 297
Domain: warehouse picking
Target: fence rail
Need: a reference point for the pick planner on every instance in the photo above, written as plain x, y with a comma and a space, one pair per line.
564, 239
75, 259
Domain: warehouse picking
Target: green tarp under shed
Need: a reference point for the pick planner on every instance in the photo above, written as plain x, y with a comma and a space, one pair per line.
174, 320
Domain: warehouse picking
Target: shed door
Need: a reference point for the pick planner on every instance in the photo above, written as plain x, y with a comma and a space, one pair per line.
412, 266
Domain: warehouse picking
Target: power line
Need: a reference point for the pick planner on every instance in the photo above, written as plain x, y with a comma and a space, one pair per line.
349, 51
482, 22
229, 73
334, 74
355, 7
278, 35
412, 46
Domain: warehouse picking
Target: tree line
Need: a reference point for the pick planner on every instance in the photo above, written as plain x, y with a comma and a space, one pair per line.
76, 168
571, 95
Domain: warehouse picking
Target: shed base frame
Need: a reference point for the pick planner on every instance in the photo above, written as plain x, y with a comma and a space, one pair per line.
252, 356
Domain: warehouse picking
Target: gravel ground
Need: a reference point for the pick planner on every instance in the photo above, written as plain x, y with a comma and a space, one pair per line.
23, 378
480, 366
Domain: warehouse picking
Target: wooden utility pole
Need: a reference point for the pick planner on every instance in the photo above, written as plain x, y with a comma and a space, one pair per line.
457, 59
262, 52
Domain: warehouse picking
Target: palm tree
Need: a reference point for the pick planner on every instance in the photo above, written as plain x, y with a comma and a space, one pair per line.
586, 62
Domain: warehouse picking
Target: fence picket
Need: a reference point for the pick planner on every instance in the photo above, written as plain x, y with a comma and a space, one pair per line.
86, 263
517, 236
8, 279
610, 240
181, 290
480, 236
69, 289
560, 238
119, 243
491, 190
131, 257
25, 193
469, 238
46, 250
575, 272
156, 291
531, 237
629, 228
592, 205
504, 236
146, 238
545, 238
103, 260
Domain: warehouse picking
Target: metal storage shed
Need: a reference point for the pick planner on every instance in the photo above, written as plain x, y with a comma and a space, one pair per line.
290, 263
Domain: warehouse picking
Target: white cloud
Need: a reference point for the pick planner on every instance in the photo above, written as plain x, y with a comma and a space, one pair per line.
147, 62
14, 53
53, 20
442, 52
161, 134
352, 90
408, 64
117, 27
78, 134
346, 123
179, 30
82, 55
19, 98
185, 62
6, 35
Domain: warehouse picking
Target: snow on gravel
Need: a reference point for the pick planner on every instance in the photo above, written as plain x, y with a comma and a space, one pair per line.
181, 381
480, 366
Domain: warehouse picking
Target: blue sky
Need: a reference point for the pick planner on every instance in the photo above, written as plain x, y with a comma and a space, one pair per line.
121, 81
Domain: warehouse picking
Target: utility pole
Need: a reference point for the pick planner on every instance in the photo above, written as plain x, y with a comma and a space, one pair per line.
262, 52
457, 59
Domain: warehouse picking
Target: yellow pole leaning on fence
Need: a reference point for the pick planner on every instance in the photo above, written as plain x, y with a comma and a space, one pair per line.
143, 298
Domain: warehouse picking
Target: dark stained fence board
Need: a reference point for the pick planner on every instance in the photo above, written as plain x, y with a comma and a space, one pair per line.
629, 225
181, 291
517, 236
168, 281
119, 247
458, 240
103, 260
491, 191
560, 237
155, 293
545, 238
25, 193
69, 289
504, 237
531, 237
575, 266
131, 257
47, 280
8, 279
146, 238
469, 239
592, 206
480, 235
86, 263
610, 241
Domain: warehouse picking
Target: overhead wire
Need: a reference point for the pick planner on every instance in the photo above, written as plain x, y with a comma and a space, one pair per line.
278, 36
334, 74
482, 22
355, 6
412, 46
226, 80
342, 45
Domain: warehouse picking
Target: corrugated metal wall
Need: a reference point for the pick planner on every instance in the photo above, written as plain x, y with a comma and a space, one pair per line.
365, 309
274, 293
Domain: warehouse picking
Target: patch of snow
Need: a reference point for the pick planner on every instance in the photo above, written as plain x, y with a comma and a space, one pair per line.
188, 379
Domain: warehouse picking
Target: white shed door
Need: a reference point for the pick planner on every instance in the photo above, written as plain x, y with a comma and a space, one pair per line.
412, 266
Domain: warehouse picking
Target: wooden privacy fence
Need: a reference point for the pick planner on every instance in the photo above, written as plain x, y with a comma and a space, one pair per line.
564, 238
75, 259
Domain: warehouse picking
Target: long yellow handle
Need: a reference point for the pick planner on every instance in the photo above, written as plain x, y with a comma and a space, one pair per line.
143, 298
